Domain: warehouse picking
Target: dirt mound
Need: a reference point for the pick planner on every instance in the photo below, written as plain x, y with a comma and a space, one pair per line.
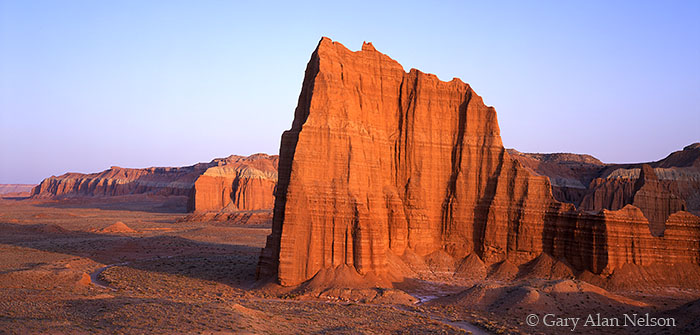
440, 263
248, 312
503, 271
516, 300
343, 276
45, 229
344, 283
471, 267
118, 228
415, 263
687, 317
569, 286
546, 267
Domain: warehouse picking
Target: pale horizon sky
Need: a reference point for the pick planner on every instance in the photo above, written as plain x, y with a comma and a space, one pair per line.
86, 85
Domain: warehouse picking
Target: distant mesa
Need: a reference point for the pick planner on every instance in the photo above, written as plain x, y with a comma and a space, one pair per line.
217, 190
15, 190
386, 175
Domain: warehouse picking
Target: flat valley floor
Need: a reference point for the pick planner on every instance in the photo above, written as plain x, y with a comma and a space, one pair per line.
130, 265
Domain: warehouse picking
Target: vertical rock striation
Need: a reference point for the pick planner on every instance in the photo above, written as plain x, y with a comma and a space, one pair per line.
242, 184
222, 186
383, 166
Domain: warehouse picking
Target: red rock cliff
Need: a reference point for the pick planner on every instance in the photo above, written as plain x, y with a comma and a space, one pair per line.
121, 181
243, 183
379, 160
233, 183
381, 163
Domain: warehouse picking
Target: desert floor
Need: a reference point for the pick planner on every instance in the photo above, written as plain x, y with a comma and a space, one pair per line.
69, 267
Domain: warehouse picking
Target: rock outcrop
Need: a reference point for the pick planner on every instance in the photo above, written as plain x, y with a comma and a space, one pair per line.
226, 185
593, 186
569, 174
670, 184
384, 169
118, 181
243, 183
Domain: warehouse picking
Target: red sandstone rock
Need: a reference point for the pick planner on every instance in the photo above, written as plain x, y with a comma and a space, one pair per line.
672, 185
243, 183
569, 174
593, 186
225, 185
656, 201
121, 181
383, 166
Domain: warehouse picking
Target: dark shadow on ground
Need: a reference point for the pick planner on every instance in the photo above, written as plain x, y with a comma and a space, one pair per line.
137, 203
14, 198
229, 264
143, 315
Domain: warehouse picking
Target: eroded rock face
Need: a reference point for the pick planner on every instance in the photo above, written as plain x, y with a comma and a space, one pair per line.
379, 160
656, 200
659, 188
569, 174
121, 181
242, 184
382, 167
593, 186
234, 183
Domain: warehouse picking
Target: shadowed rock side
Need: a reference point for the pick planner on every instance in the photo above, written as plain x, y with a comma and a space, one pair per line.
672, 184
569, 174
383, 169
668, 185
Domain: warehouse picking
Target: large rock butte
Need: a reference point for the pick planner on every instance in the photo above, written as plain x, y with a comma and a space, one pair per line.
383, 167
242, 184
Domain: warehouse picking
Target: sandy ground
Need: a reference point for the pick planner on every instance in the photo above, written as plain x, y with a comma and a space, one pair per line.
127, 265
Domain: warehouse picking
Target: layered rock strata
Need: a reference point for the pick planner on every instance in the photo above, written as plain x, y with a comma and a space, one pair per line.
118, 181
593, 186
652, 189
243, 183
383, 167
569, 174
224, 185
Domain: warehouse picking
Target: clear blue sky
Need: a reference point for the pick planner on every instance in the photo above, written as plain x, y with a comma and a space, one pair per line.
89, 84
